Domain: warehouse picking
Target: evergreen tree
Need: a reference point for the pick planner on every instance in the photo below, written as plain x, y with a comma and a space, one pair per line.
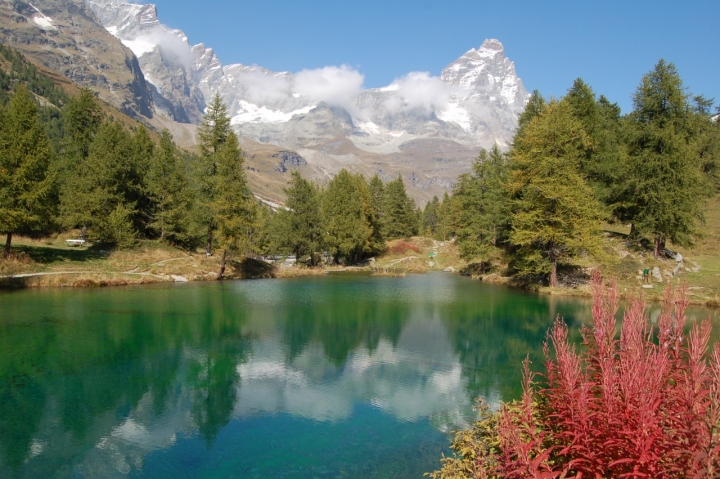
401, 220
141, 152
602, 163
375, 244
377, 195
214, 128
168, 189
82, 117
26, 187
100, 192
707, 141
483, 200
554, 212
352, 230
430, 218
233, 206
302, 229
665, 188
450, 213
535, 106
213, 133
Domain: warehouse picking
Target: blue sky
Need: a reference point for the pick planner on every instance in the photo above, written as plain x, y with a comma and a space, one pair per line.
609, 44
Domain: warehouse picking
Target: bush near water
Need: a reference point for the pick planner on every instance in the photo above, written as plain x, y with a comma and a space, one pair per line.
644, 405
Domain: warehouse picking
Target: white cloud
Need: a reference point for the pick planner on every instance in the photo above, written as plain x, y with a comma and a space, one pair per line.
259, 87
334, 85
418, 91
169, 41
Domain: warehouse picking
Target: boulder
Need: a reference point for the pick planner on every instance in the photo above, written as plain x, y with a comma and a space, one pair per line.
450, 269
676, 271
668, 273
657, 275
179, 279
648, 286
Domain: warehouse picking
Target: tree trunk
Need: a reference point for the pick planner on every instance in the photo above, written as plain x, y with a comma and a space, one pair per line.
553, 274
656, 251
83, 231
208, 246
8, 242
222, 265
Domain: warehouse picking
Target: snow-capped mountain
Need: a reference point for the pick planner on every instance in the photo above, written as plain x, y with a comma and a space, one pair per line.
475, 101
427, 128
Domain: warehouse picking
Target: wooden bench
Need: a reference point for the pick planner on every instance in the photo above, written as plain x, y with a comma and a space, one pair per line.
75, 242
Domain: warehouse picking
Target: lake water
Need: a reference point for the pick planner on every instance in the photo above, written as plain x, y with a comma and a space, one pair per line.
346, 376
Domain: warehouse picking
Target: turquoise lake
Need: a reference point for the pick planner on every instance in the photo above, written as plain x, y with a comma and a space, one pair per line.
339, 376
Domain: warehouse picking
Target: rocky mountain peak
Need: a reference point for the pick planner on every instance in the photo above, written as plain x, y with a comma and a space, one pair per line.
492, 45
432, 125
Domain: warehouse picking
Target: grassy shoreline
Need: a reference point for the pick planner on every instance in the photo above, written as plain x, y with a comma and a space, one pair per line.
49, 262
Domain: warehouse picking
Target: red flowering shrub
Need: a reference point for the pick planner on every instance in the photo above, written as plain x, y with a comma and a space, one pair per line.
644, 405
402, 247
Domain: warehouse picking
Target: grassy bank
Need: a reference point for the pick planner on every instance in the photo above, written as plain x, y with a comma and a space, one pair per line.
49, 262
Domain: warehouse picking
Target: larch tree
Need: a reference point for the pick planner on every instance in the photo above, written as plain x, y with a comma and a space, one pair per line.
554, 215
26, 187
666, 188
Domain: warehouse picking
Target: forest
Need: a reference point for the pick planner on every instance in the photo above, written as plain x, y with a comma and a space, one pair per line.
575, 164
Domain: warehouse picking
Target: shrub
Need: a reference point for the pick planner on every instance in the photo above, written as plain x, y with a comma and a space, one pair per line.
644, 405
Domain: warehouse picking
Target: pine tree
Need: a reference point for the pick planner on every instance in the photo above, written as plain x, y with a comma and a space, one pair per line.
100, 192
82, 117
142, 150
603, 161
450, 213
375, 244
213, 133
302, 228
233, 205
168, 189
377, 195
483, 201
26, 186
665, 188
401, 220
430, 222
352, 230
707, 141
554, 212
535, 106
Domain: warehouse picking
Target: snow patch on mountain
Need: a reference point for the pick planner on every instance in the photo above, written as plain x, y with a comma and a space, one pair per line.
42, 20
259, 114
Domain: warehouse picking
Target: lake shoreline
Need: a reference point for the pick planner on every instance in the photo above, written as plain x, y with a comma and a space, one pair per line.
93, 279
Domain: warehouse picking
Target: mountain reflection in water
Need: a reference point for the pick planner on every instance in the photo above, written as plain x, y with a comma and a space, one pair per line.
316, 377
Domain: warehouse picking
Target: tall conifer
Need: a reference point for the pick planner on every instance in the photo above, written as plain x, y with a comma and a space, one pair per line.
26, 187
554, 212
665, 188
